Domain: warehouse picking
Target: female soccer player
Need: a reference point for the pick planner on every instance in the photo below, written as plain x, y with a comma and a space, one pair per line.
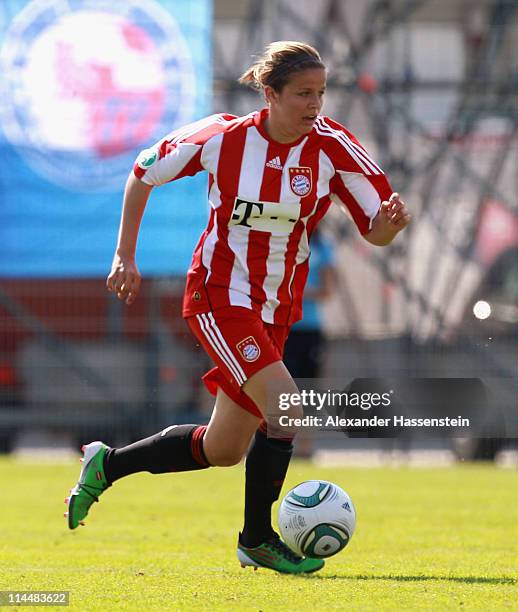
272, 177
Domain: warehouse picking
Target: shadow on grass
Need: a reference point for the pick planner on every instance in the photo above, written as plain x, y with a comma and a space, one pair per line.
399, 578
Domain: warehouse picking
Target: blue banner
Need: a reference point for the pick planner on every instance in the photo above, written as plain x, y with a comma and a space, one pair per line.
84, 86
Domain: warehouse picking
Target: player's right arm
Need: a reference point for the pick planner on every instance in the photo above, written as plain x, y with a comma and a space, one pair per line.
124, 278
177, 155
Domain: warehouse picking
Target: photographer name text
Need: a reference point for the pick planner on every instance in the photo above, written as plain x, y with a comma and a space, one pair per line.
375, 421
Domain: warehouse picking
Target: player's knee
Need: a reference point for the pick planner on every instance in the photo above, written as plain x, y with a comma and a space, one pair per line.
289, 415
295, 413
286, 424
284, 420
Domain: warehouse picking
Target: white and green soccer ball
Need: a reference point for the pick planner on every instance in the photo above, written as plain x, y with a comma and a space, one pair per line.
317, 519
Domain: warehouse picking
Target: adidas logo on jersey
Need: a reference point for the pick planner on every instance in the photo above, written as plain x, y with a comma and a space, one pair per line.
275, 163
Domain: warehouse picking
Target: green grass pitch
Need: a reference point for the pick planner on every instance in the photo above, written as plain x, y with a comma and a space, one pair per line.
444, 538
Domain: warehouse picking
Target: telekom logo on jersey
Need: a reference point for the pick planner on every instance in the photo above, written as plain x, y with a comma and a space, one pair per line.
273, 217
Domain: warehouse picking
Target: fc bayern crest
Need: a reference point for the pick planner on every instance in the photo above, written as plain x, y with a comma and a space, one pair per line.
87, 84
249, 349
300, 180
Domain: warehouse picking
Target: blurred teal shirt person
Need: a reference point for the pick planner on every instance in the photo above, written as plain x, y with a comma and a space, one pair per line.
320, 264
304, 346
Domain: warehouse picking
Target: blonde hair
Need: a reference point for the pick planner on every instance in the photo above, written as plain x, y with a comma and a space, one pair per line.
279, 60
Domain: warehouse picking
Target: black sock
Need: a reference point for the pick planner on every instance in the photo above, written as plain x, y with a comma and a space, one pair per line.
175, 449
266, 466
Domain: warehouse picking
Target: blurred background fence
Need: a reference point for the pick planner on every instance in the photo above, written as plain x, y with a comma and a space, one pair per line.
430, 87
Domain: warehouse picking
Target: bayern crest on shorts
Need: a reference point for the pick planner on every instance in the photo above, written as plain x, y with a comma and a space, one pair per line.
300, 180
249, 349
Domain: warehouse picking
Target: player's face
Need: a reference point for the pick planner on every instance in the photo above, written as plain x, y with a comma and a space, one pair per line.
295, 109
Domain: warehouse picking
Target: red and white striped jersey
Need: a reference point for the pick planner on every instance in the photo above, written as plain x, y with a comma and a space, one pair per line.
265, 200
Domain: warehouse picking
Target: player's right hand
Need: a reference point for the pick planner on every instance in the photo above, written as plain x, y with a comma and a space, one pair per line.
124, 279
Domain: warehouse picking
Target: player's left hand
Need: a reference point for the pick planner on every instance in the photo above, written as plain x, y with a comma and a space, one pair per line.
395, 212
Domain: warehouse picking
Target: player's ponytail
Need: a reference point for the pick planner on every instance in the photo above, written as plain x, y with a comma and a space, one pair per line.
279, 60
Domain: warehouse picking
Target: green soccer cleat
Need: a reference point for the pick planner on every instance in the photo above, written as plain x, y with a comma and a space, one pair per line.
274, 554
92, 482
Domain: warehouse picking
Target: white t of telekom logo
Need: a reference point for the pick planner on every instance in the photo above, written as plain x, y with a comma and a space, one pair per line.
278, 218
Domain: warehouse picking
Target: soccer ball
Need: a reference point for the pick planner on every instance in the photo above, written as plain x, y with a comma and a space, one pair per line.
317, 519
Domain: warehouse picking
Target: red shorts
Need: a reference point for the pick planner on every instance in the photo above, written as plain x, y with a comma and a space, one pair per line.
240, 343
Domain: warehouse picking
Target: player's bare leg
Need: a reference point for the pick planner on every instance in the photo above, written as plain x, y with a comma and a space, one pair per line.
265, 388
229, 432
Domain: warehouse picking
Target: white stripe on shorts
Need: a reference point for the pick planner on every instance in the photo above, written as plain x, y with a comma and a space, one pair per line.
218, 343
223, 342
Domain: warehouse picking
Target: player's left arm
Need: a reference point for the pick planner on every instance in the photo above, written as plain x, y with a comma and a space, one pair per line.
361, 186
392, 217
